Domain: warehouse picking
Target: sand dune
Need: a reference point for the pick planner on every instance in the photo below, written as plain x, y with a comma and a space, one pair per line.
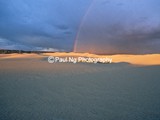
149, 59
33, 89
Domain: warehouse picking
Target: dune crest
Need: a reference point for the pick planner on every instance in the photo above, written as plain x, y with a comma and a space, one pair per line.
148, 59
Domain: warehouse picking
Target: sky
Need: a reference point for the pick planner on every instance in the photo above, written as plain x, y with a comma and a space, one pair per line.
94, 26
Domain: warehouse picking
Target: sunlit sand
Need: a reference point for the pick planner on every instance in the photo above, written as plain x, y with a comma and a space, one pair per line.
31, 88
149, 59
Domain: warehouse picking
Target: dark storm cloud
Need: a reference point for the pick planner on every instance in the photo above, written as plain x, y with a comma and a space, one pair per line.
136, 41
116, 39
41, 23
106, 26
62, 27
121, 27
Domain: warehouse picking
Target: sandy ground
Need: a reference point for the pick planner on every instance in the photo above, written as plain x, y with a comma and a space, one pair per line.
149, 59
33, 89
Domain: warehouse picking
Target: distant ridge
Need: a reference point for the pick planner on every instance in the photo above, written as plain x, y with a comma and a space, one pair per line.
7, 51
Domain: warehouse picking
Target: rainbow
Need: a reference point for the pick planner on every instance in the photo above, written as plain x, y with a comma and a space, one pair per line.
80, 26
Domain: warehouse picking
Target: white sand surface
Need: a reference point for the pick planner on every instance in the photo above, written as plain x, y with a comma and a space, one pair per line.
33, 89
